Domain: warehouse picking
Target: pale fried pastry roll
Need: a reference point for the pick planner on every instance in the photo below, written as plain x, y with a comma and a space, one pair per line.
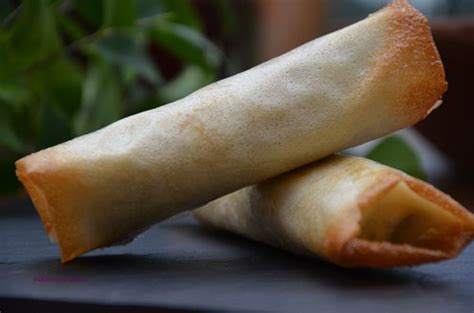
343, 89
350, 211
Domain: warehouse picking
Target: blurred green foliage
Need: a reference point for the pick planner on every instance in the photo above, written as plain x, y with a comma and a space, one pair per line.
395, 152
70, 67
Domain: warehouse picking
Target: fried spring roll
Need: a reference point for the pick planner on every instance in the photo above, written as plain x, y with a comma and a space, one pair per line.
350, 211
343, 89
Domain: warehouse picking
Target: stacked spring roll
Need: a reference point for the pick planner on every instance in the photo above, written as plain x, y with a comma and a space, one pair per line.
350, 211
343, 89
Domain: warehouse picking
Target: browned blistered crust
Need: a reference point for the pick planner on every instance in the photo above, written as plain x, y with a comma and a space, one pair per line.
52, 184
409, 48
354, 251
46, 190
334, 242
38, 197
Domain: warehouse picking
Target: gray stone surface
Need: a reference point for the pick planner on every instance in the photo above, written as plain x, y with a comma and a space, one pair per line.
178, 265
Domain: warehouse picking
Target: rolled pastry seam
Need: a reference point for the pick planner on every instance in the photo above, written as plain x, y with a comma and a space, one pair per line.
343, 89
350, 211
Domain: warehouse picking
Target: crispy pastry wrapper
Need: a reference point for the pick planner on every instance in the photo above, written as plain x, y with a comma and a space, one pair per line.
349, 210
343, 89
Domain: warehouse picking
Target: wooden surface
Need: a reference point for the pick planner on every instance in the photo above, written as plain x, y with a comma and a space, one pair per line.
179, 266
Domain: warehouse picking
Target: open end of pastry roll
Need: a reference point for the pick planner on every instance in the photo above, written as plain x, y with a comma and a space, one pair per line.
350, 211
406, 224
403, 217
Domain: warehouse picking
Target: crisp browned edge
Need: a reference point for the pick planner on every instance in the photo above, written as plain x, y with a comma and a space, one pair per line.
36, 194
410, 34
410, 39
355, 252
56, 225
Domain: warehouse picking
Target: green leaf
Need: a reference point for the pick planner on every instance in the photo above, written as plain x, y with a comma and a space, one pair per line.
8, 137
187, 44
119, 13
5, 10
183, 13
189, 80
101, 99
127, 49
34, 37
90, 10
395, 152
8, 68
149, 8
54, 127
69, 26
12, 91
63, 86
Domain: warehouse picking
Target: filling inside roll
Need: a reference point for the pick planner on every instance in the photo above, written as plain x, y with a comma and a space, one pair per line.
401, 216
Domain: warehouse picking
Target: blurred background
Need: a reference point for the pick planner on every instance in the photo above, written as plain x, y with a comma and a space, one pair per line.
69, 67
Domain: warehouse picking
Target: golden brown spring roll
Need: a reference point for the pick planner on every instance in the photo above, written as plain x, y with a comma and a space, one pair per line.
351, 86
350, 211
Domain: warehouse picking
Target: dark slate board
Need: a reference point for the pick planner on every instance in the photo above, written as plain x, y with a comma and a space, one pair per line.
179, 266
